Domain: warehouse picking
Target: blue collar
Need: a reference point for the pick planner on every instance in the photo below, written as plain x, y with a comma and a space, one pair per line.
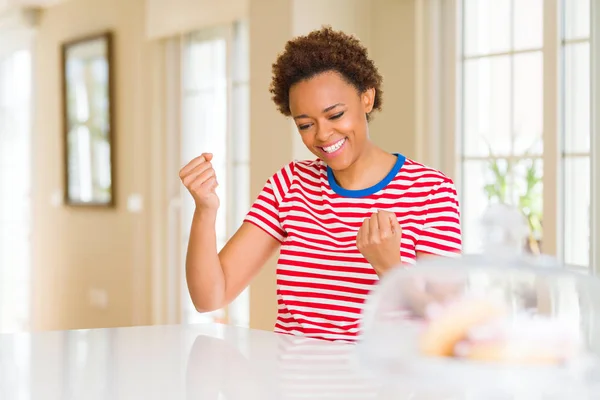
370, 190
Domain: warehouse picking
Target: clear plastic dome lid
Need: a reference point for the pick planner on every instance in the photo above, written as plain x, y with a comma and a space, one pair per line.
500, 319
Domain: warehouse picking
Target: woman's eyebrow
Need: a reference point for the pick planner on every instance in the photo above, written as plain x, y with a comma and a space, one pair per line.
324, 110
332, 107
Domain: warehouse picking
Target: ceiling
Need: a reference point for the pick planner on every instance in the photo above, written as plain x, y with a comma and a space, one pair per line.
12, 4
19, 13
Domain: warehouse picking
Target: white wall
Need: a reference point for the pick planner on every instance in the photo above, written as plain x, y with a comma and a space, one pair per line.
171, 17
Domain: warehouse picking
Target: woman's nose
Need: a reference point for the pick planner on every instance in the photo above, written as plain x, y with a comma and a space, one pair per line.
324, 131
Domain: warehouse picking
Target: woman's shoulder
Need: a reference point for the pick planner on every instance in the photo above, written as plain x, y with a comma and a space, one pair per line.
300, 168
421, 172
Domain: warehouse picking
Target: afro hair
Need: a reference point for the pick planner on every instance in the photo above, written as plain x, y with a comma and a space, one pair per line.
323, 50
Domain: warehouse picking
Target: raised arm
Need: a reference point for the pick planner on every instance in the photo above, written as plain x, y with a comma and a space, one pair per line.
215, 279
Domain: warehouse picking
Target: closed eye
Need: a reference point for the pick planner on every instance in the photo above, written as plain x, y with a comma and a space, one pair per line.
304, 127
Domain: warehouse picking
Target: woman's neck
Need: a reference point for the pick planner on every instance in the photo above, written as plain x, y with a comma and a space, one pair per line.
371, 167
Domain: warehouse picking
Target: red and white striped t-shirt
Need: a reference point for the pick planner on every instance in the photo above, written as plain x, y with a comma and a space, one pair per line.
322, 278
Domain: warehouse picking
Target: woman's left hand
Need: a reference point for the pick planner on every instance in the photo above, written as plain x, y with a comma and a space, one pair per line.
378, 240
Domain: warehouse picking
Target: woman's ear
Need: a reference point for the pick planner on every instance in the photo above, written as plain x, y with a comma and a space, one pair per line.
368, 99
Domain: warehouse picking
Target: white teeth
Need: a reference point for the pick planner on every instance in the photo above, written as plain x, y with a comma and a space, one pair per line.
334, 147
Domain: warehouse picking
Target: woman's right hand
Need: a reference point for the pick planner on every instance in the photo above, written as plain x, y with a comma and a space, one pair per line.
199, 177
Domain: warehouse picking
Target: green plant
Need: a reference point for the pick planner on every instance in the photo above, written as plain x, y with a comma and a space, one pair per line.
504, 188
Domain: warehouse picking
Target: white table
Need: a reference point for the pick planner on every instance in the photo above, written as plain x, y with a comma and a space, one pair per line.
177, 362
206, 362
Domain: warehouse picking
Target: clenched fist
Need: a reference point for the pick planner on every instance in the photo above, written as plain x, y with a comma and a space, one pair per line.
198, 176
378, 240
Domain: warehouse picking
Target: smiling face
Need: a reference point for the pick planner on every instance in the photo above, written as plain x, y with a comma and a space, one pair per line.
331, 117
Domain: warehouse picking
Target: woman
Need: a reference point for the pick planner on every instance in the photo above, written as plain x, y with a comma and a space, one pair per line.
340, 221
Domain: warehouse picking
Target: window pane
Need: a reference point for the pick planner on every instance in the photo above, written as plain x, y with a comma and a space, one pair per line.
487, 96
577, 84
15, 187
487, 26
221, 171
577, 19
205, 124
528, 24
205, 65
241, 193
197, 73
577, 210
528, 103
474, 200
241, 53
240, 123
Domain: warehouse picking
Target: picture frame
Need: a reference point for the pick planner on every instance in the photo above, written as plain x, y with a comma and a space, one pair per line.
88, 121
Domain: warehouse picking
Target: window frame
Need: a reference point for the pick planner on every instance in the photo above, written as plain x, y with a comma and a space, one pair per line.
439, 88
552, 112
564, 154
595, 138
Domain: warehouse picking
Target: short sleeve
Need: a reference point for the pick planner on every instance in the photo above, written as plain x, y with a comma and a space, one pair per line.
441, 232
264, 213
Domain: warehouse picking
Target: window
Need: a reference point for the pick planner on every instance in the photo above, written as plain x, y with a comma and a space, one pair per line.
576, 130
525, 127
215, 111
502, 140
15, 186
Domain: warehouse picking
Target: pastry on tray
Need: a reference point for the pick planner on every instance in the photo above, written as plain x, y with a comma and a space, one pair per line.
481, 330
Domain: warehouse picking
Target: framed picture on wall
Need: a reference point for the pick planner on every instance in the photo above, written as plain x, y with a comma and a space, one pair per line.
88, 121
